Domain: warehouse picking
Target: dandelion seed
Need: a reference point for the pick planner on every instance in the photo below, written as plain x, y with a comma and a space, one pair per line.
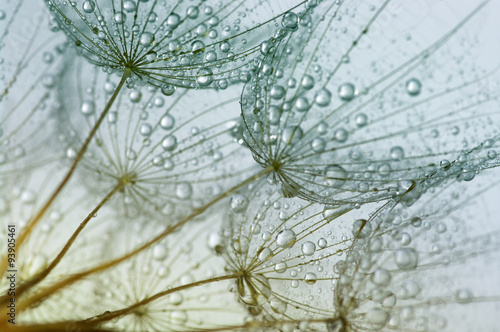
362, 131
149, 144
186, 44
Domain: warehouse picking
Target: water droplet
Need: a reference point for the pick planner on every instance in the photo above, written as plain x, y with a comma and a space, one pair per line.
160, 252
192, 12
310, 278
145, 129
335, 176
147, 39
290, 20
384, 169
463, 295
88, 6
286, 238
308, 248
277, 92
347, 91
173, 20
280, 267
361, 228
168, 89
381, 277
322, 243
406, 258
241, 244
361, 119
183, 190
307, 82
323, 98
378, 317
277, 305
87, 107
178, 317
134, 96
291, 135
204, 77
318, 144
169, 143
413, 87
265, 254
341, 135
129, 6
397, 153
167, 122
238, 203
120, 17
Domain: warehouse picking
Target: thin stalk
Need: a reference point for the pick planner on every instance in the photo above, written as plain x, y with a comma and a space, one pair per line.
43, 293
40, 276
107, 316
32, 223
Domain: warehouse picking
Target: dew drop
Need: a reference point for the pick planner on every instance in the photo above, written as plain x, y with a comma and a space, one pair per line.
129, 6
290, 20
238, 203
323, 98
87, 108
346, 91
277, 305
145, 129
204, 77
381, 277
463, 295
280, 267
265, 254
308, 248
361, 119
241, 244
160, 252
310, 278
120, 17
361, 228
335, 176
88, 6
169, 143
183, 190
134, 96
173, 20
286, 238
147, 39
291, 135
406, 258
167, 122
413, 87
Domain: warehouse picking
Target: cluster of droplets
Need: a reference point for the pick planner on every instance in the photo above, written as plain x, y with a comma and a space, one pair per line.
366, 139
189, 44
27, 81
153, 145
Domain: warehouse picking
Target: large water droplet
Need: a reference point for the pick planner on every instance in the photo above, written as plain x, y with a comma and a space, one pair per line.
286, 238
413, 87
406, 258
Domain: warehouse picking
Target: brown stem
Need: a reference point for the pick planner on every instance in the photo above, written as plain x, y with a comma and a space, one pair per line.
40, 276
32, 223
43, 293
107, 316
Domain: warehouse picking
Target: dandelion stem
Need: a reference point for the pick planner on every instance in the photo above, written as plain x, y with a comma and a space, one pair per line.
40, 276
107, 316
32, 223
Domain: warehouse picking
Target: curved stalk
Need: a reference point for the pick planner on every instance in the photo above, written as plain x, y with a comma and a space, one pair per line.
34, 221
